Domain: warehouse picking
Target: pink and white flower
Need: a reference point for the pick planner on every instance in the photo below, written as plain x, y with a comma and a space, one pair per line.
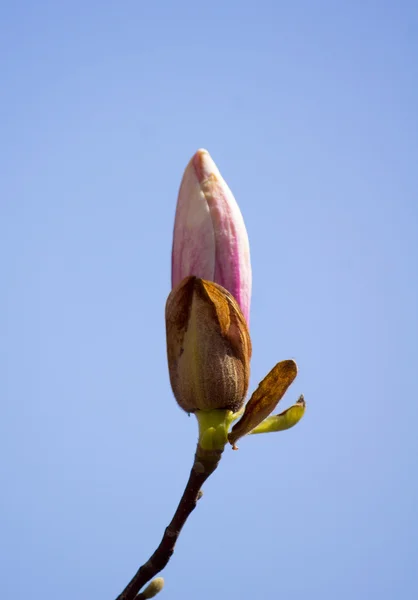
210, 239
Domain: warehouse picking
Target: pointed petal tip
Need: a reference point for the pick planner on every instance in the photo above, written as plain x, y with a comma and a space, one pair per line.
204, 165
201, 151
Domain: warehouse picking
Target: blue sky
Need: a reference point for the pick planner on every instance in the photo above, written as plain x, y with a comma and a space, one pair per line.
310, 111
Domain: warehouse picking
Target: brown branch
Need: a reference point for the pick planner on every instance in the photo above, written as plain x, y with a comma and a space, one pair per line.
204, 465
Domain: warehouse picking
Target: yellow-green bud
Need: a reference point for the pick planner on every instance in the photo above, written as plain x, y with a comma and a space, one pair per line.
153, 588
208, 346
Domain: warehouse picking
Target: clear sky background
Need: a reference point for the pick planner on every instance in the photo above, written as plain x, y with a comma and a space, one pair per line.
309, 108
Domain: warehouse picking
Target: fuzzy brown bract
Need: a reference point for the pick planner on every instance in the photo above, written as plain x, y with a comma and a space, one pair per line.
208, 347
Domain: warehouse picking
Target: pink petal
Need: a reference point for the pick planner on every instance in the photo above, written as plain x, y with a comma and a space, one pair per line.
210, 240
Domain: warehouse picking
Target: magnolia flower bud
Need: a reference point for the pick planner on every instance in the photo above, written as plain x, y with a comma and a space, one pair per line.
210, 240
208, 347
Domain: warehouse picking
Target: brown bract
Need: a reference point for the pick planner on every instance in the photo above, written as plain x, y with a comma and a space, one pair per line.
265, 398
208, 346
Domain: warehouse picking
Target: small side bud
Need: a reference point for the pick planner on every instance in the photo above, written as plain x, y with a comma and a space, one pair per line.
152, 589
